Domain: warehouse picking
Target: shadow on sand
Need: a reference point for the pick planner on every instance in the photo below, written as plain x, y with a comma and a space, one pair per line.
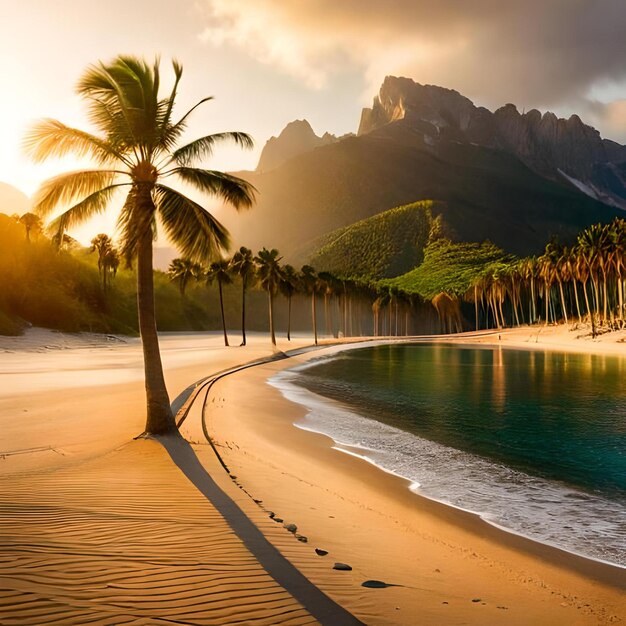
318, 604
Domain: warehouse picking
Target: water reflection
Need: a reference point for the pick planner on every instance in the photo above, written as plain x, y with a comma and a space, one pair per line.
552, 414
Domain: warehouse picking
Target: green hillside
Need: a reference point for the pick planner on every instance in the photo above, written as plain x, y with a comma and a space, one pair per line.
449, 267
61, 290
383, 246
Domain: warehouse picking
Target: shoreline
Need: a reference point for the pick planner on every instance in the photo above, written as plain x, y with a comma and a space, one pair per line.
541, 563
315, 406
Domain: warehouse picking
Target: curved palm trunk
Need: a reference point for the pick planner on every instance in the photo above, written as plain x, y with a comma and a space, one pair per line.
243, 311
271, 305
219, 286
160, 418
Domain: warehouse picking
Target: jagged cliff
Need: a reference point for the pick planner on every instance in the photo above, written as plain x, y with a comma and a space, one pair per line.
297, 137
565, 149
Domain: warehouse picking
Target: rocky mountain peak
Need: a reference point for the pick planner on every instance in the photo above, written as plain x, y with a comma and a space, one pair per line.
296, 138
557, 148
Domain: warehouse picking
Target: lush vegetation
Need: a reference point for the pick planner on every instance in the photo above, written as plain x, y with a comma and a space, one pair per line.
449, 267
382, 246
61, 289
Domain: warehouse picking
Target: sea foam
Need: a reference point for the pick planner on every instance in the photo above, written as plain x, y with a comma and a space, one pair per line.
546, 511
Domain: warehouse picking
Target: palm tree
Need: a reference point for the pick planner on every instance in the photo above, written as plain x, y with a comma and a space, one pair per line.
182, 271
591, 243
269, 274
242, 264
617, 235
110, 265
219, 271
288, 286
103, 245
310, 285
32, 224
135, 147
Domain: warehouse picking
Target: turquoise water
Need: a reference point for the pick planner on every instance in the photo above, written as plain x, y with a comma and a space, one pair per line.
533, 441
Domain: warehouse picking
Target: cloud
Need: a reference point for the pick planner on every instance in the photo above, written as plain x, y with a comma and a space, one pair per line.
533, 52
609, 117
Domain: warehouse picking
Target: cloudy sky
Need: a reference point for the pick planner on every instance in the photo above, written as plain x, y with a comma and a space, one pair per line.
268, 62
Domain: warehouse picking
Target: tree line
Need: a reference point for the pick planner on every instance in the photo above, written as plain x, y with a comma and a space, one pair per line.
585, 282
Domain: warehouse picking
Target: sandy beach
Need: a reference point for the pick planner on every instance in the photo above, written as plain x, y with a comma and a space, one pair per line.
98, 527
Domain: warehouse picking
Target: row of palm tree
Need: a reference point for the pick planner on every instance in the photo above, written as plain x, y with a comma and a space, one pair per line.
584, 282
391, 307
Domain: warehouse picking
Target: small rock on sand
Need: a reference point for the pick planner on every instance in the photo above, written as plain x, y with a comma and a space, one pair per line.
343, 567
321, 552
291, 527
374, 584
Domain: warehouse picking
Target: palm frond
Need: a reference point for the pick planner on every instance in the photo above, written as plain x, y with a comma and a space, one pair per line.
232, 189
51, 138
67, 188
174, 131
165, 122
116, 95
94, 203
197, 234
203, 147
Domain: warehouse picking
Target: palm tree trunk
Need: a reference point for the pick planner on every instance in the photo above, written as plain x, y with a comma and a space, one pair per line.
605, 294
327, 317
219, 286
160, 418
243, 312
476, 304
563, 301
620, 298
547, 294
314, 316
271, 304
576, 298
289, 317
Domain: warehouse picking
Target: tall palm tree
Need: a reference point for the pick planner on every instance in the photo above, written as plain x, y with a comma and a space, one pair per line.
617, 235
310, 284
242, 264
107, 256
288, 286
219, 272
183, 271
269, 275
591, 243
110, 265
135, 147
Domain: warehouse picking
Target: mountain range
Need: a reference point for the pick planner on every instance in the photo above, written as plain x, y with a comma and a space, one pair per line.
514, 178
